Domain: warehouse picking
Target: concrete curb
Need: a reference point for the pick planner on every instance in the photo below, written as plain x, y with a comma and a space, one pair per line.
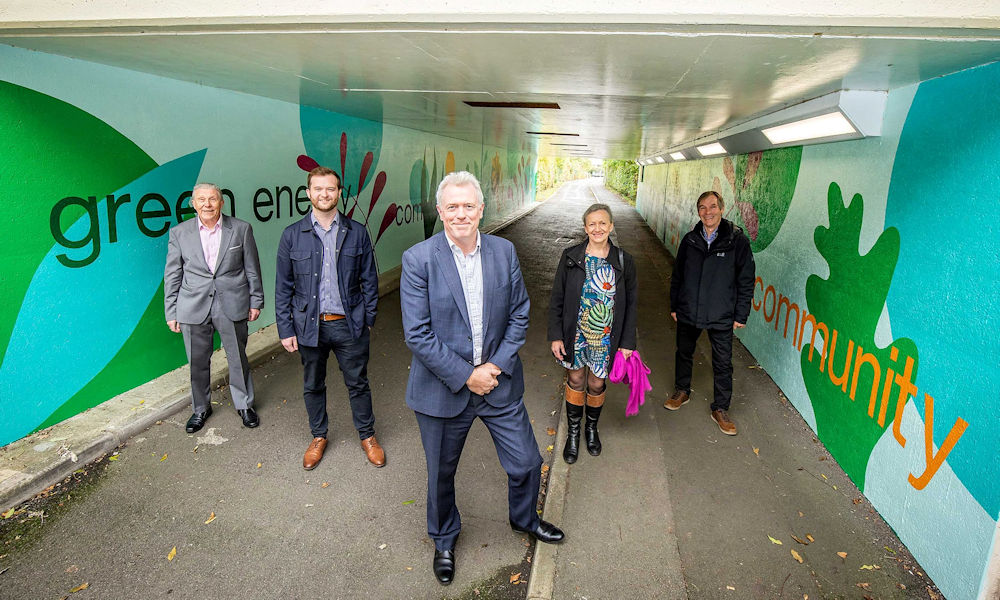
541, 581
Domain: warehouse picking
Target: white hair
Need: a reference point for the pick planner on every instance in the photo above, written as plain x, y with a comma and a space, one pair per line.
459, 178
205, 185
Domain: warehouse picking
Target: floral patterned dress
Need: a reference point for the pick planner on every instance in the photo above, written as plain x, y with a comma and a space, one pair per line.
592, 347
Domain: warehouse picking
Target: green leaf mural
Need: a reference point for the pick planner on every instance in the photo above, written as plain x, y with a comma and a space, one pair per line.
53, 150
850, 303
763, 184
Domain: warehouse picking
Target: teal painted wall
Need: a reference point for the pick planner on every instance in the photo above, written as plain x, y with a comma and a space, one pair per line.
96, 163
889, 243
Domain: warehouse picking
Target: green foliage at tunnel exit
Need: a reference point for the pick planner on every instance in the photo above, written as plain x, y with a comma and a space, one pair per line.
555, 171
622, 176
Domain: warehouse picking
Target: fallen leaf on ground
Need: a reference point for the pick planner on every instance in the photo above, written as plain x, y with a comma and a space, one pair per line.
889, 550
549, 449
729, 587
382, 546
931, 594
797, 556
869, 568
259, 465
545, 469
822, 458
80, 588
405, 502
515, 577
325, 484
774, 541
756, 451
800, 540
550, 431
172, 554
801, 514
112, 458
8, 514
211, 518
823, 476
163, 458
842, 554
864, 586
810, 537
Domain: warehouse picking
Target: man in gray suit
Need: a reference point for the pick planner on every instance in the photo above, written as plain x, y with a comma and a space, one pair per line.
212, 283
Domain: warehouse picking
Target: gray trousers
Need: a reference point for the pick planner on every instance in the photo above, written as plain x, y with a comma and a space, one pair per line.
198, 344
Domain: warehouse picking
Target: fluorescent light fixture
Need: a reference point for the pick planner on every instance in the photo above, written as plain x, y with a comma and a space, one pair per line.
678, 156
827, 125
660, 159
711, 149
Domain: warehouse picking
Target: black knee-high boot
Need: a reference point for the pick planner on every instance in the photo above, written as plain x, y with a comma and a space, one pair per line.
594, 406
574, 414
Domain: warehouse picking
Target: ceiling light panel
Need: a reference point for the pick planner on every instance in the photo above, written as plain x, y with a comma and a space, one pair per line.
823, 126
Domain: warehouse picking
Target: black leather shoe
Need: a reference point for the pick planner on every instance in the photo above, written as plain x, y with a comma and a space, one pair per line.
544, 532
444, 566
249, 417
197, 420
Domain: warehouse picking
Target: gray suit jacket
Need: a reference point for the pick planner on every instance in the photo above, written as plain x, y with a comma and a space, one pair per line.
189, 286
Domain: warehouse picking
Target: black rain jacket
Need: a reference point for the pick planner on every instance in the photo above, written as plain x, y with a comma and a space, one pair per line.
712, 288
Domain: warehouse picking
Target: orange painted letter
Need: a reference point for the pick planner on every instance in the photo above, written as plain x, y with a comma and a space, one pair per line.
934, 461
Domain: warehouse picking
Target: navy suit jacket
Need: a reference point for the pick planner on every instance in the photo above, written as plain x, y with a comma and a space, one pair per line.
437, 331
300, 263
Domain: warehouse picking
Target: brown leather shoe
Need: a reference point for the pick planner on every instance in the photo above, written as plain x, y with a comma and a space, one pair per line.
721, 419
314, 453
679, 398
376, 455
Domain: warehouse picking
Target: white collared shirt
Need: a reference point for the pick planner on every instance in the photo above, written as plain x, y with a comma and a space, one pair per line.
470, 272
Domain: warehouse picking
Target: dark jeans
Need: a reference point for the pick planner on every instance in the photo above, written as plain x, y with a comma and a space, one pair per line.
352, 356
722, 361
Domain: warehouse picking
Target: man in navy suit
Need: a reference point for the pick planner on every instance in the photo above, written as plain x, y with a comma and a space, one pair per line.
325, 296
465, 316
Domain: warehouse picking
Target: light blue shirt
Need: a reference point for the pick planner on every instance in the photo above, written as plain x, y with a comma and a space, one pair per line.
329, 284
709, 238
470, 271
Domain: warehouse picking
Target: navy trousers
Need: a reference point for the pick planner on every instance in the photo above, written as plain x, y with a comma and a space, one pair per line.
352, 356
443, 440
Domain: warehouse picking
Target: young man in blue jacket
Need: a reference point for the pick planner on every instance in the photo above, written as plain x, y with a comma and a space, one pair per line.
325, 296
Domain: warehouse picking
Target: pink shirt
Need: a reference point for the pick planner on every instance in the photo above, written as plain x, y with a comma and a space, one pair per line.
210, 239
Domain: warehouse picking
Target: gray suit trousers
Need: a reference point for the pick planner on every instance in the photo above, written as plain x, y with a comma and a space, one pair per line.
198, 344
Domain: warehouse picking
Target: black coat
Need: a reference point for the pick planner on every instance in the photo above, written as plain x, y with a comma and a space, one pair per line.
564, 307
712, 288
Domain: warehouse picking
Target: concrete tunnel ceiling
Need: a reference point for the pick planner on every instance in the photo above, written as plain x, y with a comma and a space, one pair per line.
625, 89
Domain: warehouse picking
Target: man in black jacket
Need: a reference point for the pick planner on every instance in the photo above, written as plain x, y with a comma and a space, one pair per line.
711, 289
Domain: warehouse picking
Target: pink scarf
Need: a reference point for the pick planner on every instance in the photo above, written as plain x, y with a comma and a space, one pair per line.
635, 373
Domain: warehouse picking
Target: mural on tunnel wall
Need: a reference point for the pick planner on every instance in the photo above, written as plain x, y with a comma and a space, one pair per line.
877, 294
92, 181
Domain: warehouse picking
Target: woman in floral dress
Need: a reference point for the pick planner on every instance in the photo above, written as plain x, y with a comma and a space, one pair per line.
592, 315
